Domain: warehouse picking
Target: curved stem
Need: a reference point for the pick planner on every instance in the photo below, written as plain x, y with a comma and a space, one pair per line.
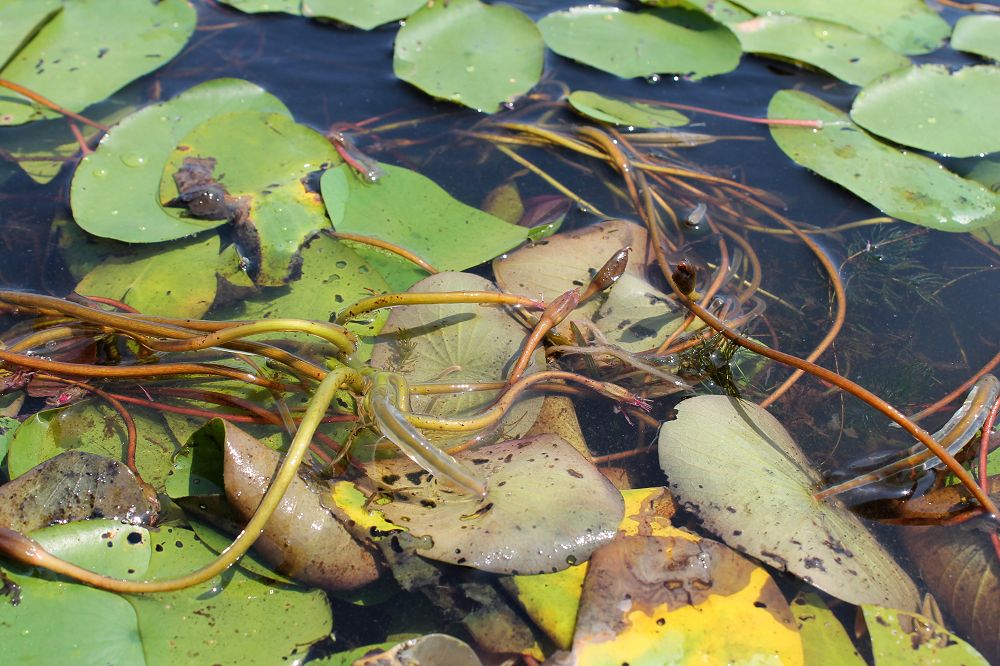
385, 245
373, 303
28, 551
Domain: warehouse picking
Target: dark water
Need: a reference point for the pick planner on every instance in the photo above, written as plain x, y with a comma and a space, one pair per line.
914, 351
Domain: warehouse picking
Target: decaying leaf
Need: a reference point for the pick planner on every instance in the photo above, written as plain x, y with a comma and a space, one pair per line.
547, 507
667, 600
769, 511
904, 638
302, 539
437, 649
74, 485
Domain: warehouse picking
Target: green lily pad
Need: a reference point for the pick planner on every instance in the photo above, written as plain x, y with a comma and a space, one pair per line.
471, 53
907, 186
259, 6
979, 34
8, 426
20, 20
175, 282
333, 276
103, 545
262, 161
94, 428
907, 26
197, 468
620, 112
900, 638
364, 15
410, 210
44, 147
89, 50
932, 108
457, 343
115, 188
722, 11
823, 637
630, 44
987, 172
770, 512
513, 532
849, 55
74, 485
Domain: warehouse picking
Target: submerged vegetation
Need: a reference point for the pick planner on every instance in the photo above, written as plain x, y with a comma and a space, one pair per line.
297, 401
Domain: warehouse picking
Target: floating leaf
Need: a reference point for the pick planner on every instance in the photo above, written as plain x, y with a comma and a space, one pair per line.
364, 15
769, 512
463, 343
74, 485
722, 11
464, 51
908, 26
632, 314
410, 210
910, 187
20, 20
302, 539
256, 6
979, 34
437, 649
670, 600
512, 531
115, 188
823, 637
262, 162
169, 282
333, 276
620, 112
959, 566
631, 44
987, 172
932, 108
104, 545
900, 638
849, 55
94, 428
89, 50
8, 424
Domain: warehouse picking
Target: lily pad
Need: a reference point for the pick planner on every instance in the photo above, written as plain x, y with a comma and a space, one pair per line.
94, 428
20, 20
722, 11
620, 112
632, 314
437, 649
910, 187
770, 513
823, 637
511, 531
74, 485
364, 15
849, 55
979, 34
461, 343
468, 52
630, 44
907, 26
259, 6
115, 188
89, 50
302, 539
332, 277
932, 108
175, 282
668, 600
262, 162
900, 638
410, 210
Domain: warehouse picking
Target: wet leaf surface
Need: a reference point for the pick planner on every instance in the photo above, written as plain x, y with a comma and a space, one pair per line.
364, 15
511, 531
176, 282
114, 191
910, 187
851, 56
89, 50
302, 539
630, 44
933, 108
411, 210
471, 53
74, 485
459, 343
769, 512
621, 112
979, 34
655, 600
908, 26
900, 638
632, 314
